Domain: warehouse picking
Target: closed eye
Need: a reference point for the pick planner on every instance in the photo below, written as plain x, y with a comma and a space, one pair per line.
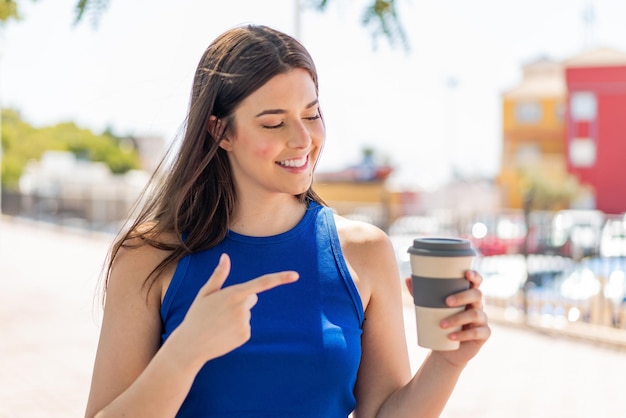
274, 126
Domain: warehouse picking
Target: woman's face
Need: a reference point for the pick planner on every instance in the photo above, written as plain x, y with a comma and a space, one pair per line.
277, 136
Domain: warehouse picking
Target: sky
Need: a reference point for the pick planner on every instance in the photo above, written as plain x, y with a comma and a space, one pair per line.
430, 110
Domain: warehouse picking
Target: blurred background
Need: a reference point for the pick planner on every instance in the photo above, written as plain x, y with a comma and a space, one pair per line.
498, 121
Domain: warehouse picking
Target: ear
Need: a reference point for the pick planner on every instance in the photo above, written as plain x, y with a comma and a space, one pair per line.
216, 127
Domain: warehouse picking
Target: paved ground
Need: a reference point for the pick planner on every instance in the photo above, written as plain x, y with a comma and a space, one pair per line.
49, 317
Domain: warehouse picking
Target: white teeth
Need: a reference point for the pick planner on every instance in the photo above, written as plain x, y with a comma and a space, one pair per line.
298, 162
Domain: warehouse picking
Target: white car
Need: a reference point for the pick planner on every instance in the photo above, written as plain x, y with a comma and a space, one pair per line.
613, 238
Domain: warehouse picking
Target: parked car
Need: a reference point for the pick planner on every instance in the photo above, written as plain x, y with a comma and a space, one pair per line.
613, 237
498, 234
541, 235
579, 230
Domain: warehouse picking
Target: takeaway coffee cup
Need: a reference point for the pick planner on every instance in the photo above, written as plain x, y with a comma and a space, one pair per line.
438, 268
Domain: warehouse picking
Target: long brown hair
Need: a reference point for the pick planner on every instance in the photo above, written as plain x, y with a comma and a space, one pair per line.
192, 193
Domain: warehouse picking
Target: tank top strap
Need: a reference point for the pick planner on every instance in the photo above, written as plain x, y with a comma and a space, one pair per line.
328, 221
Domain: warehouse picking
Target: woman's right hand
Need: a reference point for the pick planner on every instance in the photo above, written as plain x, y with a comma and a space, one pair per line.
218, 320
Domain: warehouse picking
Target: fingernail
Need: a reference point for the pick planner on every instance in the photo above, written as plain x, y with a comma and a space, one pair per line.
444, 324
453, 336
451, 300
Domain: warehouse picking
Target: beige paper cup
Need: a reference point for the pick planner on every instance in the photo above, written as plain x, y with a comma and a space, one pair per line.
438, 268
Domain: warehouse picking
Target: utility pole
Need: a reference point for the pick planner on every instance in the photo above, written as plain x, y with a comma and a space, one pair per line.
589, 20
450, 117
297, 19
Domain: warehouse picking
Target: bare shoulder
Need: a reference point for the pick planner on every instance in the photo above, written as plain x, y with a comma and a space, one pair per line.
358, 233
370, 256
138, 256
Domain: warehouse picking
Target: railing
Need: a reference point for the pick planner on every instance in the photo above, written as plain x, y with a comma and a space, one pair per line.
86, 212
585, 299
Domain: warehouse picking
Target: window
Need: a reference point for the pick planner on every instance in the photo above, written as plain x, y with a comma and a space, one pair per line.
582, 152
583, 105
527, 155
528, 112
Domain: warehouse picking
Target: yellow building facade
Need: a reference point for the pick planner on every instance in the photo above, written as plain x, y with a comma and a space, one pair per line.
371, 200
533, 131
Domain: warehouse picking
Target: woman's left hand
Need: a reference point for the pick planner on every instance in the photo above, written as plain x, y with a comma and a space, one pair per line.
473, 322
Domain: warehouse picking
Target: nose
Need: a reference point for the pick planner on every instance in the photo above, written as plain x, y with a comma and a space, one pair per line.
299, 137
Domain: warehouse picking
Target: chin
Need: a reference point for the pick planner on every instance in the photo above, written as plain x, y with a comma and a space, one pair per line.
302, 190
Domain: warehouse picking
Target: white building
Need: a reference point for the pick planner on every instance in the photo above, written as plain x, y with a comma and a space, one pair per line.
62, 188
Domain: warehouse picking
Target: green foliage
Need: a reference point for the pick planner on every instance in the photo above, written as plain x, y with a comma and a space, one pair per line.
22, 142
383, 20
543, 192
93, 7
380, 16
8, 10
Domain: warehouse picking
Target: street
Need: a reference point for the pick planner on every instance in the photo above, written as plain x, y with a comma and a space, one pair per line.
49, 316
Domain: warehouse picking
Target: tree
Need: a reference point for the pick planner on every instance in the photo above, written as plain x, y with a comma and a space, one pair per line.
380, 16
8, 10
552, 193
22, 142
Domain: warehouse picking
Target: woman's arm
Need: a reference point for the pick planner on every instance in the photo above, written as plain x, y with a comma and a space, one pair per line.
127, 370
132, 375
429, 390
384, 387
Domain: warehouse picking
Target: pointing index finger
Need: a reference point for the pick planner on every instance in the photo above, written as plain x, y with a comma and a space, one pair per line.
269, 281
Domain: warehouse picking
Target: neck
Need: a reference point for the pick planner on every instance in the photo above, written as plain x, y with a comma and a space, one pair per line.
266, 217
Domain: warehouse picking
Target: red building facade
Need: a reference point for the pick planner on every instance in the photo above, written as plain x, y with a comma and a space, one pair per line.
596, 125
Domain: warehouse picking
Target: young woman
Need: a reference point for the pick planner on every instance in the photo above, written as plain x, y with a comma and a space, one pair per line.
237, 293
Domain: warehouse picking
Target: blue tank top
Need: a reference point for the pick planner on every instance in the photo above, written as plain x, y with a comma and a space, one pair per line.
303, 356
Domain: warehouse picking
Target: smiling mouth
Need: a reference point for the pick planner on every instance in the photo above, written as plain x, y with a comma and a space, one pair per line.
294, 163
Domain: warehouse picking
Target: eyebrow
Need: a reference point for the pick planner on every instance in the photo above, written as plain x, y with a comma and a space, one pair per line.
282, 111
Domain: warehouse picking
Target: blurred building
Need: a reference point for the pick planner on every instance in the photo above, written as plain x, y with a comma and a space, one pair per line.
533, 129
565, 119
63, 189
596, 124
151, 150
362, 191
